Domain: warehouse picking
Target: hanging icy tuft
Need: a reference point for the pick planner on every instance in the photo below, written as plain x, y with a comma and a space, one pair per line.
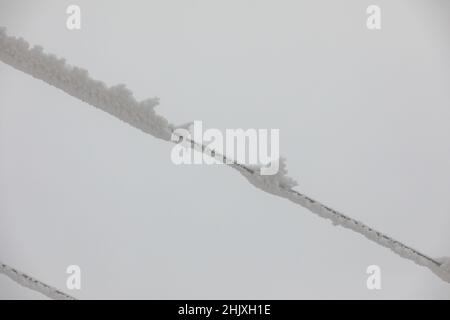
260, 176
117, 100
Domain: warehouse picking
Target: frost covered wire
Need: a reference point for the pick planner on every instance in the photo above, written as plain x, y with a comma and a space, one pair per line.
119, 102
282, 185
33, 284
116, 100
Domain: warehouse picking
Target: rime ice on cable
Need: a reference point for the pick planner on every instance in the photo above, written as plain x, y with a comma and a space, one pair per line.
32, 283
119, 101
275, 184
116, 100
443, 271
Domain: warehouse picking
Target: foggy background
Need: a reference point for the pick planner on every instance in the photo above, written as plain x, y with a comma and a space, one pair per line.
364, 124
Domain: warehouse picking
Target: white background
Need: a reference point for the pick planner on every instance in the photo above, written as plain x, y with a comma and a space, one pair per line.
364, 123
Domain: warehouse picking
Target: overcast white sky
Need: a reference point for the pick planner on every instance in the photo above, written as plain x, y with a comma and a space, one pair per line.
364, 124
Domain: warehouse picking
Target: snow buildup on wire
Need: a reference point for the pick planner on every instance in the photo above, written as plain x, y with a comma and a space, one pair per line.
275, 184
116, 100
443, 271
282, 185
119, 101
33, 284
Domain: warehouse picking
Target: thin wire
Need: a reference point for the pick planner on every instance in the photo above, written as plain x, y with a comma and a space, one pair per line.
340, 216
32, 283
57, 73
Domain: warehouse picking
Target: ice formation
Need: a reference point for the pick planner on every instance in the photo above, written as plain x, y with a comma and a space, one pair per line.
281, 185
119, 101
275, 184
443, 269
116, 100
31, 283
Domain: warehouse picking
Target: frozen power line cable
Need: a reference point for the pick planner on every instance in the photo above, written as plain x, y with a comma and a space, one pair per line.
33, 284
119, 102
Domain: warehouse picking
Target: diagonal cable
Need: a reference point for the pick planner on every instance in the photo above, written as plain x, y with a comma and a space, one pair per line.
29, 282
119, 102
